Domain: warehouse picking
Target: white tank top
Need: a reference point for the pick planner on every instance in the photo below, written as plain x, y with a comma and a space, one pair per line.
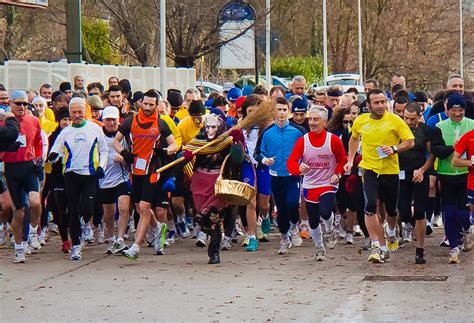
321, 161
114, 173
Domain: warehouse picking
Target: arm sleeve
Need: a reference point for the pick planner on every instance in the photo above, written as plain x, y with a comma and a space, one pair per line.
341, 157
103, 150
439, 147
126, 126
293, 160
58, 144
38, 141
9, 133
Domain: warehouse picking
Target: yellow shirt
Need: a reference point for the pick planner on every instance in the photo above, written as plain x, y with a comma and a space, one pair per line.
188, 129
388, 131
174, 130
46, 124
49, 114
182, 113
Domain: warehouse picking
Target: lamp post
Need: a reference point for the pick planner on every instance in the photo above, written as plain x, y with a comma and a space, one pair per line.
163, 47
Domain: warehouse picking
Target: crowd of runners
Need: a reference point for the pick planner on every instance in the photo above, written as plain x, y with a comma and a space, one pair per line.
387, 165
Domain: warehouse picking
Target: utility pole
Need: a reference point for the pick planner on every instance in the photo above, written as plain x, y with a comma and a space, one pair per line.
461, 50
163, 81
359, 19
325, 45
268, 70
73, 31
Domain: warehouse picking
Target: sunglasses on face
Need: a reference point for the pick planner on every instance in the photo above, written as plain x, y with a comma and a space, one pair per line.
211, 127
25, 104
346, 121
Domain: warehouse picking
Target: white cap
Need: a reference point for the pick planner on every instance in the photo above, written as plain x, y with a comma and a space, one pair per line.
110, 112
228, 85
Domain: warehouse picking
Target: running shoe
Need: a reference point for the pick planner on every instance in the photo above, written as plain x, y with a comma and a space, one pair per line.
366, 244
285, 245
3, 235
19, 256
266, 225
429, 228
437, 221
454, 256
87, 233
341, 233
150, 236
304, 231
159, 241
330, 238
349, 238
189, 222
42, 237
407, 235
419, 257
99, 236
238, 227
184, 232
392, 241
467, 240
27, 248
384, 255
320, 253
76, 252
66, 247
234, 238
131, 254
53, 227
33, 239
375, 255
260, 235
295, 237
357, 231
201, 239
226, 244
253, 245
444, 242
171, 237
245, 243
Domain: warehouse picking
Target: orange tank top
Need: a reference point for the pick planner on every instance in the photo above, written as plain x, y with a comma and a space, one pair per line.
144, 138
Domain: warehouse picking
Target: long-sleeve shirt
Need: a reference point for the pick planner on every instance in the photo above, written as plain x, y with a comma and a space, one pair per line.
82, 147
8, 133
317, 141
31, 143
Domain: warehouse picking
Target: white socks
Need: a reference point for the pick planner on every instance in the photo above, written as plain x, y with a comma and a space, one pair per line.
316, 235
328, 224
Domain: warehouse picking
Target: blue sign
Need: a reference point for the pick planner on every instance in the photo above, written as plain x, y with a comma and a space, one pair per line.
236, 11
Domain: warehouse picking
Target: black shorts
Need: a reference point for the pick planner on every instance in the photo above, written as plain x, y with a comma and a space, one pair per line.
344, 199
144, 190
180, 183
111, 195
21, 179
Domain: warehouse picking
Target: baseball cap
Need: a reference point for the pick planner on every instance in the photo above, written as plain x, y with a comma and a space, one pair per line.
110, 112
95, 102
227, 86
299, 105
420, 96
233, 94
18, 94
238, 103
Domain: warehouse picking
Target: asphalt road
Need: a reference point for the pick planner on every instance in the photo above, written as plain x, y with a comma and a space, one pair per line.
261, 286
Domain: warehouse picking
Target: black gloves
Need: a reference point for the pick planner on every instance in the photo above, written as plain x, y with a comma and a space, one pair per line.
52, 156
99, 172
127, 156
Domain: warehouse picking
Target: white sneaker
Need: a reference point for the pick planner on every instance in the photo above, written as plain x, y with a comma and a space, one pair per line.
407, 235
366, 244
295, 237
357, 231
330, 238
19, 256
150, 236
34, 241
159, 241
285, 245
349, 238
99, 236
42, 237
226, 244
437, 221
87, 233
3, 235
185, 234
320, 253
27, 248
341, 233
76, 252
201, 239
53, 227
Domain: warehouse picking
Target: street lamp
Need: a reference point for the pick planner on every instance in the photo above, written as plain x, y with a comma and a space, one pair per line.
163, 47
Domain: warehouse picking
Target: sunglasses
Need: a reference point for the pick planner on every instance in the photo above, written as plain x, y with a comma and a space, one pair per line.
346, 121
25, 104
211, 127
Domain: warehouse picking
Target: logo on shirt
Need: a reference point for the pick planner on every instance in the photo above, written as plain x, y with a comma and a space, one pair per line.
80, 138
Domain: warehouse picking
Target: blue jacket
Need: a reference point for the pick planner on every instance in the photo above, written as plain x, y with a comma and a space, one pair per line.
278, 142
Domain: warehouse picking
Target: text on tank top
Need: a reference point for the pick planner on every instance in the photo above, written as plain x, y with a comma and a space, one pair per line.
321, 162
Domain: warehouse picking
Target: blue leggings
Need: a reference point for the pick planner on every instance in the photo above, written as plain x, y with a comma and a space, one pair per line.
286, 192
323, 209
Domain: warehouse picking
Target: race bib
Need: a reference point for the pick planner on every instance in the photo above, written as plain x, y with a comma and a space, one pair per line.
140, 164
22, 140
401, 175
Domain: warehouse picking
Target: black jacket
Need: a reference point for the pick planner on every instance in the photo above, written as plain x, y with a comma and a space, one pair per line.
9, 134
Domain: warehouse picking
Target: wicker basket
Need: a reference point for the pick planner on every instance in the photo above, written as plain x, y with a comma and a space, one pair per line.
234, 192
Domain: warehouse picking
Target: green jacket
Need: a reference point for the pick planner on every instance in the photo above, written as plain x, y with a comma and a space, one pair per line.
451, 132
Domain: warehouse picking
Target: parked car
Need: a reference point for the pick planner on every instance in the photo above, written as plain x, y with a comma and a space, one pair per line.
345, 80
209, 87
250, 80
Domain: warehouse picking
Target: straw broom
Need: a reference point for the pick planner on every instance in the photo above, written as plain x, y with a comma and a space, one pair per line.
260, 116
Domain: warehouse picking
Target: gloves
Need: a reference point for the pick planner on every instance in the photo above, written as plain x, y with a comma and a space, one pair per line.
52, 156
236, 135
99, 172
127, 156
38, 170
169, 185
188, 155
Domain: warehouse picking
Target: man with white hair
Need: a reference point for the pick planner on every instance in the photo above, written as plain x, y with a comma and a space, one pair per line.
320, 157
297, 86
84, 150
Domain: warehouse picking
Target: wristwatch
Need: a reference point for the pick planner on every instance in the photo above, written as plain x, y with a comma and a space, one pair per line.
395, 149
